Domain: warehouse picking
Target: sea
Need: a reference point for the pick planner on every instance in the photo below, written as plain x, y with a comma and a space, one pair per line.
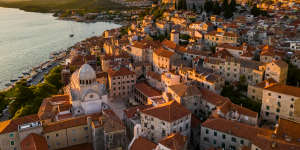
27, 39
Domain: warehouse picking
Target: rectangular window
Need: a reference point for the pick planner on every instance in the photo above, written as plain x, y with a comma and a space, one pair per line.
12, 143
233, 139
207, 131
242, 141
11, 135
215, 133
224, 136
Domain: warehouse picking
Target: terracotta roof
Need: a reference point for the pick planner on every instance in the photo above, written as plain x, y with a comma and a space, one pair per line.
174, 142
169, 111
229, 106
142, 144
12, 125
121, 72
285, 89
235, 128
48, 110
34, 142
183, 90
169, 44
164, 53
288, 128
130, 112
85, 146
147, 90
111, 122
68, 123
154, 75
213, 98
268, 143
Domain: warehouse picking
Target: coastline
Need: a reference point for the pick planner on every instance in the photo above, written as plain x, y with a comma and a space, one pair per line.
51, 62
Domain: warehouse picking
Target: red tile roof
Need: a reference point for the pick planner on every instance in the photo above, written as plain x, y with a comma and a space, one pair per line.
147, 90
169, 111
121, 72
34, 142
174, 142
235, 128
163, 53
142, 144
12, 125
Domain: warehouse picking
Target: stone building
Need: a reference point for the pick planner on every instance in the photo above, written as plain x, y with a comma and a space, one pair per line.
121, 82
280, 101
163, 120
86, 94
277, 70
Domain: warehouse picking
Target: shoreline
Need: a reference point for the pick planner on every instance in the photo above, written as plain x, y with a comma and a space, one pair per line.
52, 62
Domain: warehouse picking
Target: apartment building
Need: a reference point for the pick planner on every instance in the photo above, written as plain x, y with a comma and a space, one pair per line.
280, 101
255, 92
142, 51
187, 96
163, 60
284, 136
121, 82
227, 134
143, 91
94, 130
204, 78
277, 70
154, 79
231, 111
214, 38
243, 51
164, 119
169, 79
232, 69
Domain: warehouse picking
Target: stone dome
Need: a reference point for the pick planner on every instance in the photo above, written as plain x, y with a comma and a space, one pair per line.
86, 72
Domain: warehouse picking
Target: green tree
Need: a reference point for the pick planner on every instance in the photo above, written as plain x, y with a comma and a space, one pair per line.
54, 77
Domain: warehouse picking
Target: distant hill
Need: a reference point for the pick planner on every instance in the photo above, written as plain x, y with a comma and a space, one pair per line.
54, 5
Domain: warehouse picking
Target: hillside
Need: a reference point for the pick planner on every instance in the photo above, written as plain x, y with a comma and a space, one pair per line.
55, 5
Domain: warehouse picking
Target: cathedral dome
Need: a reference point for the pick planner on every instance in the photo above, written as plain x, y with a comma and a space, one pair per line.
86, 72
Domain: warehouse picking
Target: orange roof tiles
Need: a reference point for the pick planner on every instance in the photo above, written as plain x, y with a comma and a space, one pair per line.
234, 128
174, 142
229, 106
121, 72
142, 144
154, 75
147, 90
34, 142
169, 111
12, 125
85, 146
213, 98
164, 53
285, 89
130, 112
185, 90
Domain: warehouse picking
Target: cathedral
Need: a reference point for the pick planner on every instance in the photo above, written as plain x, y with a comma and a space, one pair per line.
87, 95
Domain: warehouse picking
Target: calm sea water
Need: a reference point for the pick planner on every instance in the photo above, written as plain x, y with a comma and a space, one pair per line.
27, 39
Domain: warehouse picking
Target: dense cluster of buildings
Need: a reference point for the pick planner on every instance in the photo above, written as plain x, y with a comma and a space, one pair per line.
131, 91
